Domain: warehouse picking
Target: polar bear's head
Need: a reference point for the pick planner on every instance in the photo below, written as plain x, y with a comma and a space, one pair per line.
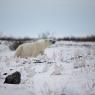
50, 41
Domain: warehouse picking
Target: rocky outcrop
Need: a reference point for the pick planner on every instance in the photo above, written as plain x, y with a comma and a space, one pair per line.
14, 78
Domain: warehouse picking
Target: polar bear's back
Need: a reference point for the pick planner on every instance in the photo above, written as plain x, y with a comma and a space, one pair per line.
31, 49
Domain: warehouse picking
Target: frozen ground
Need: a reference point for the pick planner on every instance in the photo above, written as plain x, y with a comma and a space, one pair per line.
67, 68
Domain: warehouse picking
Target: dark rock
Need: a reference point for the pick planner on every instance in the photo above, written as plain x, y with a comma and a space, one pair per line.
11, 69
5, 74
14, 78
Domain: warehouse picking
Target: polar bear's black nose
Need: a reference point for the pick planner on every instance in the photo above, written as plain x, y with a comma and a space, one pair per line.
52, 41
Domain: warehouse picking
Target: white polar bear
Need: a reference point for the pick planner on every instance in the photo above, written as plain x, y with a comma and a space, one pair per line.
32, 49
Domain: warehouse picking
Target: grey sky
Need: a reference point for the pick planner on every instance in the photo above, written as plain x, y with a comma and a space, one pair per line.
60, 17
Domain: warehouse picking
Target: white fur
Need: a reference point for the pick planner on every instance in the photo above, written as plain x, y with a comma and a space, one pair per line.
32, 49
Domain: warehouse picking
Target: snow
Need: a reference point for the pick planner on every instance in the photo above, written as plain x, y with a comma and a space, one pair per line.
66, 68
17, 92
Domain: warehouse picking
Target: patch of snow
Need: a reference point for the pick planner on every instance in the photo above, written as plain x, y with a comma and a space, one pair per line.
66, 68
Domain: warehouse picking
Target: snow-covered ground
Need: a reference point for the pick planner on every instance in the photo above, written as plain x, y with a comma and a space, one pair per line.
66, 68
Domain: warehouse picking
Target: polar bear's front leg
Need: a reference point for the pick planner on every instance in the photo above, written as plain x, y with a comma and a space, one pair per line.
42, 52
19, 51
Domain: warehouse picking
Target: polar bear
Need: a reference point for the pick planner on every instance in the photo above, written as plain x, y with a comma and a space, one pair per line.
33, 49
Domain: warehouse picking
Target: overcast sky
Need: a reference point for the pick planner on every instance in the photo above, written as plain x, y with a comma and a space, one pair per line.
23, 18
